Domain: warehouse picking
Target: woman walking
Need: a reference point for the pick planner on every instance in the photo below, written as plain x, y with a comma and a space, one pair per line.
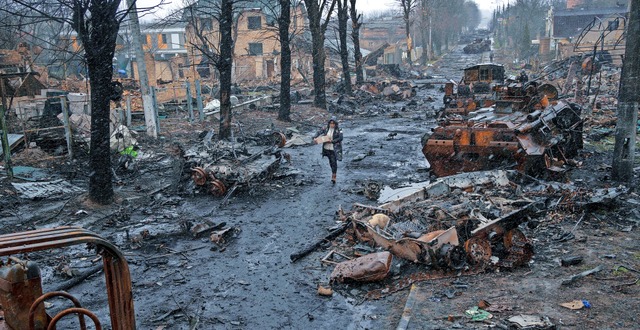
331, 139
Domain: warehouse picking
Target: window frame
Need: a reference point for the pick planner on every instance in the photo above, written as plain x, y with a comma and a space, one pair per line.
254, 22
252, 49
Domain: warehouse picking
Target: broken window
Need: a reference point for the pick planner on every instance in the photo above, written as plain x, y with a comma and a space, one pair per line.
484, 74
255, 22
255, 48
164, 39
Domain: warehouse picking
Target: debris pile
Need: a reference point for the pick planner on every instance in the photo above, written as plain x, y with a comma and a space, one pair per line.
221, 167
462, 224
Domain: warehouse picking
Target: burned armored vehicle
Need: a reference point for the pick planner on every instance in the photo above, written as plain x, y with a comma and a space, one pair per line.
478, 45
475, 90
534, 141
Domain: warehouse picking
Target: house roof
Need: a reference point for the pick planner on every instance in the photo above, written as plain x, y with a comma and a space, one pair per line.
569, 23
270, 12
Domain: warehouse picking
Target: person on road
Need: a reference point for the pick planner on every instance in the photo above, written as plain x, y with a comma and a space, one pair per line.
332, 148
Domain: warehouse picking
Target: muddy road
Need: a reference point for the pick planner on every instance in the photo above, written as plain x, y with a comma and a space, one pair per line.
248, 280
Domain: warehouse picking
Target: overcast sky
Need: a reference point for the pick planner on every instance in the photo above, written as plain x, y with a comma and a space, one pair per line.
363, 5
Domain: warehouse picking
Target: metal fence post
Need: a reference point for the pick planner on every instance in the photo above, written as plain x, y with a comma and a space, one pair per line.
189, 103
155, 107
128, 110
199, 98
67, 125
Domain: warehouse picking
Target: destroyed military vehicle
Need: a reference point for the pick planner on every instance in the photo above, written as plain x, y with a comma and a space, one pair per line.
474, 90
512, 134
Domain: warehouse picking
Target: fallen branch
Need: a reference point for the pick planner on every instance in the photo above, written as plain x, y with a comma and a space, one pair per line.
627, 268
618, 287
310, 248
78, 279
176, 252
581, 275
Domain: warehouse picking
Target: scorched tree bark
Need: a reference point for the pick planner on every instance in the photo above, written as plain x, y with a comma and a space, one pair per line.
318, 28
343, 17
96, 24
628, 101
407, 7
224, 66
356, 23
285, 60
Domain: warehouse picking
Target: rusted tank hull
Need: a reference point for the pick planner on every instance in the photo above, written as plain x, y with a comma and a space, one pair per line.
530, 143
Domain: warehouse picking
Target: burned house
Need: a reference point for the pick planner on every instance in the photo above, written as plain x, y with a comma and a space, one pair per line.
578, 29
165, 53
257, 49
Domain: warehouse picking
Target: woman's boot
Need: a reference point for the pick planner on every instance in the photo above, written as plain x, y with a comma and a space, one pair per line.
333, 178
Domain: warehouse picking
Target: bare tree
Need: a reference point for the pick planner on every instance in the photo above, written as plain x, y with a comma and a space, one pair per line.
285, 29
356, 23
318, 28
143, 78
425, 12
407, 7
96, 24
624, 149
216, 44
284, 21
224, 66
343, 17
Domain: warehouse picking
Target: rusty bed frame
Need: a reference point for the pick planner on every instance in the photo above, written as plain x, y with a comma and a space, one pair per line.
116, 272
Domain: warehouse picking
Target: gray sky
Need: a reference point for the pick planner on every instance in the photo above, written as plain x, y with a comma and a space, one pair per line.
363, 5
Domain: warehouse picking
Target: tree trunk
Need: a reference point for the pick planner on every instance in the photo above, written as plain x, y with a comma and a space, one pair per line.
147, 98
628, 104
407, 27
424, 30
285, 61
355, 37
99, 50
100, 188
343, 16
224, 66
317, 43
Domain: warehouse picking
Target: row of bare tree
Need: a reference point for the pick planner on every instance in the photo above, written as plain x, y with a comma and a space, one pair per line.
97, 24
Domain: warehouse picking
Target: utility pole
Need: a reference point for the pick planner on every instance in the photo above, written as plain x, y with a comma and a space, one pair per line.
628, 100
147, 98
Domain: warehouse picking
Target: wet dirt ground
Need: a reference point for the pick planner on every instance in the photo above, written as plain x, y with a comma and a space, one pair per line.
249, 282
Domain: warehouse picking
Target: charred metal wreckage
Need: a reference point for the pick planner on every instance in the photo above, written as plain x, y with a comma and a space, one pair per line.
488, 124
21, 296
221, 167
429, 227
460, 224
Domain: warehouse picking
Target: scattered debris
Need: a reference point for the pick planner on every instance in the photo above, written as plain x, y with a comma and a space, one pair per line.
581, 275
50, 189
477, 314
369, 268
221, 236
311, 247
324, 291
576, 304
531, 322
571, 261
